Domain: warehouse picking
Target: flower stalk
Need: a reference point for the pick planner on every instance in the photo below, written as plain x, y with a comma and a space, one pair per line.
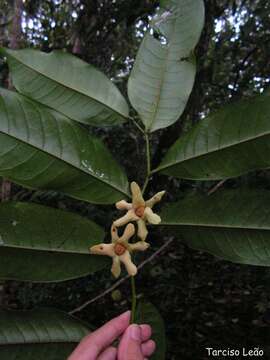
140, 213
148, 173
148, 162
134, 299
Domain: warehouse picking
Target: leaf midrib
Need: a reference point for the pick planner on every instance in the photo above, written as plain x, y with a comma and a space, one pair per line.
68, 163
41, 249
162, 79
212, 225
69, 88
247, 140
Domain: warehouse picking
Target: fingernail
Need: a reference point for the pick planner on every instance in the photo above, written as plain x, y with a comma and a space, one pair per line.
125, 315
135, 332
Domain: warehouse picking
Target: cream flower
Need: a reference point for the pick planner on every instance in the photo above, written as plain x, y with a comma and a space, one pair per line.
119, 250
139, 210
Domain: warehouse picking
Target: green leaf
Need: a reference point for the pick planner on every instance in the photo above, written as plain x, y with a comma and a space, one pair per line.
163, 74
228, 143
41, 244
147, 313
40, 148
233, 225
39, 335
68, 85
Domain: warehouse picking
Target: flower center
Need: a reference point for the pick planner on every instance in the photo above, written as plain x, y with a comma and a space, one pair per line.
140, 211
119, 249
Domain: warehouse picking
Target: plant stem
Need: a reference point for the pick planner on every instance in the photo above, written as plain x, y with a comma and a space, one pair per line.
134, 299
148, 162
148, 155
136, 124
148, 173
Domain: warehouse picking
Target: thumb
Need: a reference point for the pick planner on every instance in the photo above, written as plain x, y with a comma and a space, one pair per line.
130, 344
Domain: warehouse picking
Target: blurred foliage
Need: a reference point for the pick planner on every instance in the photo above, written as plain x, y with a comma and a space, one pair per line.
205, 301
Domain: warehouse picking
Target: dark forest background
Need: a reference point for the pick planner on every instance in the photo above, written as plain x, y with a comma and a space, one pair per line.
204, 301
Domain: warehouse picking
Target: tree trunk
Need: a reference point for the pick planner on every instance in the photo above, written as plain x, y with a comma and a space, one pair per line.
16, 26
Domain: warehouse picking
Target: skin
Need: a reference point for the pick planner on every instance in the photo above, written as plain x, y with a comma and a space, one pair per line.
135, 342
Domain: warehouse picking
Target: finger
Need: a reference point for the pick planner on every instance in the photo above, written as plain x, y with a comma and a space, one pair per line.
108, 354
148, 348
146, 332
130, 344
104, 336
93, 344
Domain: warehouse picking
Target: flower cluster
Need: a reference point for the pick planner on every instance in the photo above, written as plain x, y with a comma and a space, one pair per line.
120, 249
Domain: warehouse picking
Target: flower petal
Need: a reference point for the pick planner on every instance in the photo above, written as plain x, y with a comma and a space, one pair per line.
142, 230
123, 205
139, 246
126, 260
128, 233
155, 199
116, 267
114, 233
130, 216
103, 249
151, 217
137, 198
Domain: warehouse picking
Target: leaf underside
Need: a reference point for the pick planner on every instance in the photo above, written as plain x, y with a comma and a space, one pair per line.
163, 74
68, 85
42, 149
42, 335
42, 244
233, 225
228, 143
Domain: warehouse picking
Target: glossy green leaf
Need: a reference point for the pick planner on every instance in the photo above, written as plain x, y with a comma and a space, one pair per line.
147, 313
43, 149
39, 335
41, 244
68, 85
228, 143
163, 74
233, 225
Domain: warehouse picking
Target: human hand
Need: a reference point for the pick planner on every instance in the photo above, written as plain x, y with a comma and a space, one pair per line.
135, 343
